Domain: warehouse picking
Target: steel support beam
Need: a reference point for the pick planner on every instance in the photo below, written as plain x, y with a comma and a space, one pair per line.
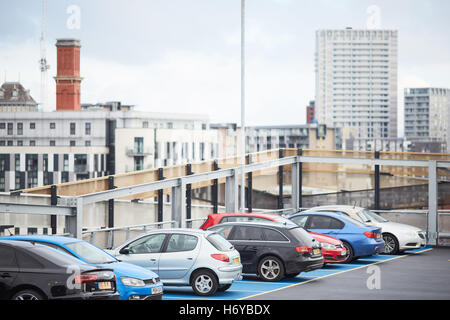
249, 187
232, 192
188, 193
53, 202
280, 182
377, 183
179, 204
38, 209
432, 204
295, 193
215, 189
160, 196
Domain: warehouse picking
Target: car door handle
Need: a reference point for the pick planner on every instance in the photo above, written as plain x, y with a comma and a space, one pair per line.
153, 260
190, 258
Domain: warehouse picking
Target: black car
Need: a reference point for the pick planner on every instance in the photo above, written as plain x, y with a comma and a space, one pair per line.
35, 272
271, 250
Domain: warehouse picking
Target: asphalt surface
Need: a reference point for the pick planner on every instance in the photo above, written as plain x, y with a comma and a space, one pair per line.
421, 275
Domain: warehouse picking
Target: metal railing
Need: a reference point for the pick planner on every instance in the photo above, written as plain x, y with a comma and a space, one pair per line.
127, 229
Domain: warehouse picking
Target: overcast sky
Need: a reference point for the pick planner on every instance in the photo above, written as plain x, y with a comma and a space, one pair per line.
184, 55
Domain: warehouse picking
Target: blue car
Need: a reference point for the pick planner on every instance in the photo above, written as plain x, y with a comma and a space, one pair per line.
359, 239
133, 282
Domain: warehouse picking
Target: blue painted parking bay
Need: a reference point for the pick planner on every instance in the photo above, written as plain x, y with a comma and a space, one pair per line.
251, 286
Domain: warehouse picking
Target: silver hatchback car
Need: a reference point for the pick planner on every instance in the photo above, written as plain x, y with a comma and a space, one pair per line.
197, 258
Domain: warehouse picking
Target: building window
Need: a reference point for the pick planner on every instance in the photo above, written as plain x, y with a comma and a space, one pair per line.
169, 125
32, 125
2, 125
87, 143
10, 143
138, 163
80, 161
2, 143
52, 143
20, 128
145, 124
10, 129
66, 163
138, 145
17, 161
72, 128
72, 143
32, 143
87, 128
52, 125
20, 143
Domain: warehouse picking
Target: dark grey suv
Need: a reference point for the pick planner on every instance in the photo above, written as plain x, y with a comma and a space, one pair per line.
271, 250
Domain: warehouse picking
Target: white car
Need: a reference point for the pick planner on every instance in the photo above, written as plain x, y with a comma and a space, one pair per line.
201, 259
397, 237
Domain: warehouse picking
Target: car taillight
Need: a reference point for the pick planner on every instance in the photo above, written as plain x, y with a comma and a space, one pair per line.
220, 257
303, 249
370, 234
84, 278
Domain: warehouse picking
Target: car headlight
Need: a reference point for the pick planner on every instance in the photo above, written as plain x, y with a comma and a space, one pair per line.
132, 282
327, 245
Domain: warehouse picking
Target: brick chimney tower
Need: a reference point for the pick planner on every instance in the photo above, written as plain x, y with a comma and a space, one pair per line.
68, 78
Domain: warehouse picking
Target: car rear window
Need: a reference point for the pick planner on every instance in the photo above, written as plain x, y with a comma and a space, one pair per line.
219, 242
302, 235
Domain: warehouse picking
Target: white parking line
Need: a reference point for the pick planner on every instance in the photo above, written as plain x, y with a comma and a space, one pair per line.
335, 273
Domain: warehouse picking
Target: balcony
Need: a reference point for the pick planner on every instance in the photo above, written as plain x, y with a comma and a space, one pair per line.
138, 152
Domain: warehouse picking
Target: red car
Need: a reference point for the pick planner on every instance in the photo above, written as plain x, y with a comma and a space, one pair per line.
332, 249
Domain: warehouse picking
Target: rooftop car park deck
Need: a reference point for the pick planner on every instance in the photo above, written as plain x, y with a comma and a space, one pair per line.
416, 274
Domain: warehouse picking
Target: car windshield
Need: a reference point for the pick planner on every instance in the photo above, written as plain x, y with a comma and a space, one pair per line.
370, 215
351, 220
219, 242
286, 221
56, 257
90, 253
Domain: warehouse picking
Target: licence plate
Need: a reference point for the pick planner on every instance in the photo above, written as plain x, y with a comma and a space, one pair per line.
156, 290
237, 260
316, 251
104, 286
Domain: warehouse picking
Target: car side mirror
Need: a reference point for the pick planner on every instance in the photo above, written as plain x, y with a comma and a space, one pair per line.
124, 251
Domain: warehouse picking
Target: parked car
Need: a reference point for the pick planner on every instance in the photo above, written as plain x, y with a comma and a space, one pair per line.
358, 239
133, 282
197, 258
35, 272
272, 250
397, 237
333, 249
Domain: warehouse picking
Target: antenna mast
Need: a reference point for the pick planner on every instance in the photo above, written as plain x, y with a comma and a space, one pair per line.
43, 61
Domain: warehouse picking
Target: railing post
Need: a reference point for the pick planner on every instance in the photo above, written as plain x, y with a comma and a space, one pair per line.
433, 231
188, 193
231, 192
179, 203
295, 186
377, 183
111, 203
300, 179
249, 186
160, 196
53, 202
215, 189
280, 182
74, 224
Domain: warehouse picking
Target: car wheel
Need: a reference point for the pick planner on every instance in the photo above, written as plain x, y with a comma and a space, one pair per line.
271, 269
390, 244
350, 255
204, 283
27, 294
225, 287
